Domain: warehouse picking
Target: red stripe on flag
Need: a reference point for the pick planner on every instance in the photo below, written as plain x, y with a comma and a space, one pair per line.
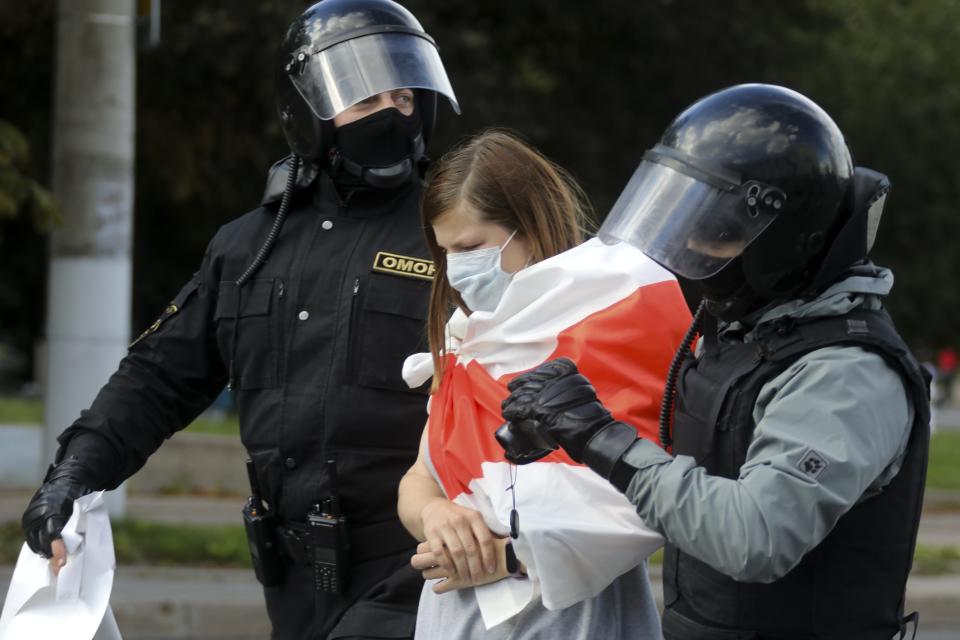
625, 351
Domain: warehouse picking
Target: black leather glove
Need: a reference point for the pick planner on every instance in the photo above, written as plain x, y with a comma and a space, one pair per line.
555, 403
52, 504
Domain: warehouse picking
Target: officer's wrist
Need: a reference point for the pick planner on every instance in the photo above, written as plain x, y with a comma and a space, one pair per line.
89, 459
70, 469
605, 449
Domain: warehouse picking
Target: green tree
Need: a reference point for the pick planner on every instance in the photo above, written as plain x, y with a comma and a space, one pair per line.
19, 193
26, 76
888, 74
592, 84
26, 210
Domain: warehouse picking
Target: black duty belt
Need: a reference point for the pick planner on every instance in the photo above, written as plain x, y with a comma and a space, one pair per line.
366, 542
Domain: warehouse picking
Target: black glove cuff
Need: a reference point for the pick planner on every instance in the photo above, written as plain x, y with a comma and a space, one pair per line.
622, 474
94, 461
607, 446
70, 468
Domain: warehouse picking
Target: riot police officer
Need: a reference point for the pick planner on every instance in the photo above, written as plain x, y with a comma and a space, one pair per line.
791, 502
307, 307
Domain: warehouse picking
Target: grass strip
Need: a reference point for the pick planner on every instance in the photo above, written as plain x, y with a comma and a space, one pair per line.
936, 561
943, 471
15, 410
25, 412
927, 560
149, 543
229, 426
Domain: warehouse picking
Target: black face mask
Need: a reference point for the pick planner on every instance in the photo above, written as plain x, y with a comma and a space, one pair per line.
727, 294
379, 151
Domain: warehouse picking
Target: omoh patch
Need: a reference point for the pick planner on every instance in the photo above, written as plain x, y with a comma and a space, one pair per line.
812, 464
406, 266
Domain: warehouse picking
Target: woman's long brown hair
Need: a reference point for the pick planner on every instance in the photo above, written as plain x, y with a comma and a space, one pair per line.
509, 183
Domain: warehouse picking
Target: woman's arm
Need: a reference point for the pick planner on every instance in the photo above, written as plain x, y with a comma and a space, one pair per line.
417, 489
459, 538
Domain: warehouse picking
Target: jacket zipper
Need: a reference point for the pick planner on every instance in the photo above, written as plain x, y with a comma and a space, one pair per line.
353, 332
278, 333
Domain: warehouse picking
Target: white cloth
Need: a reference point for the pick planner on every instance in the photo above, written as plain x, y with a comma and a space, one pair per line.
577, 534
76, 604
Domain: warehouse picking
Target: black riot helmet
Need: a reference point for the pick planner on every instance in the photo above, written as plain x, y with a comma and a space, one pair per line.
340, 52
746, 193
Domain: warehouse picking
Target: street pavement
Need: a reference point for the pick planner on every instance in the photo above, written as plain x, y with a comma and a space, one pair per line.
154, 603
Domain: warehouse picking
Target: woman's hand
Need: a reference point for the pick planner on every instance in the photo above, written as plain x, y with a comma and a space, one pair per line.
460, 541
428, 564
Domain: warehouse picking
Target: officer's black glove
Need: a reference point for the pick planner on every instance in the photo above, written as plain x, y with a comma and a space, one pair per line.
52, 504
555, 405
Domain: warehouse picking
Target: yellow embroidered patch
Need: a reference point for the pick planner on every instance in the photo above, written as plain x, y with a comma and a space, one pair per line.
169, 311
406, 266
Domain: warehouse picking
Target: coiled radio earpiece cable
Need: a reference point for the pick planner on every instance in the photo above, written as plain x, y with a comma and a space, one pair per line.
262, 255
670, 390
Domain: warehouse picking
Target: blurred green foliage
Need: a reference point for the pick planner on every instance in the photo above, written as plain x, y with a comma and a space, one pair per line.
20, 194
889, 76
591, 84
27, 210
138, 542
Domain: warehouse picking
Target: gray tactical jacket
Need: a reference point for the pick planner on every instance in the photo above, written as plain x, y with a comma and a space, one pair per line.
843, 402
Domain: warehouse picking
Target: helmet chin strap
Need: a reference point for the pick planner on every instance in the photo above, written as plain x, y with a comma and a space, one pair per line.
381, 177
727, 294
733, 306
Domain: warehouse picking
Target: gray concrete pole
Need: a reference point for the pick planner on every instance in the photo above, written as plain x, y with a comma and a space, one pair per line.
88, 300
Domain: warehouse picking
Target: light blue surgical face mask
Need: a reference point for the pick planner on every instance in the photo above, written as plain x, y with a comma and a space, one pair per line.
478, 276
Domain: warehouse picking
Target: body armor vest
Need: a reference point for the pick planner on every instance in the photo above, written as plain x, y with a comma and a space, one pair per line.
852, 584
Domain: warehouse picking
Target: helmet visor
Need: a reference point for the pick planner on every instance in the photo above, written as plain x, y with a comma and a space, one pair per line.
691, 227
336, 78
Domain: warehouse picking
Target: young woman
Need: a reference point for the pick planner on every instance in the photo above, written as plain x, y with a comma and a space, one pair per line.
504, 226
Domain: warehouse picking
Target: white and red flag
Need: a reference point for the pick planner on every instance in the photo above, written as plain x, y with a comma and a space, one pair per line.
619, 316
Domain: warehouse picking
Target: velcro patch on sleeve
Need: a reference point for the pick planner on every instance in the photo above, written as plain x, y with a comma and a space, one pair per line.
171, 309
812, 463
405, 266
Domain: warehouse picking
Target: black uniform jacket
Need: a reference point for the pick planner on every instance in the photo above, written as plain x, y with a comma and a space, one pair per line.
317, 339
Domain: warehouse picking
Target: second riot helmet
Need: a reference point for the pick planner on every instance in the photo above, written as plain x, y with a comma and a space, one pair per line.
744, 193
